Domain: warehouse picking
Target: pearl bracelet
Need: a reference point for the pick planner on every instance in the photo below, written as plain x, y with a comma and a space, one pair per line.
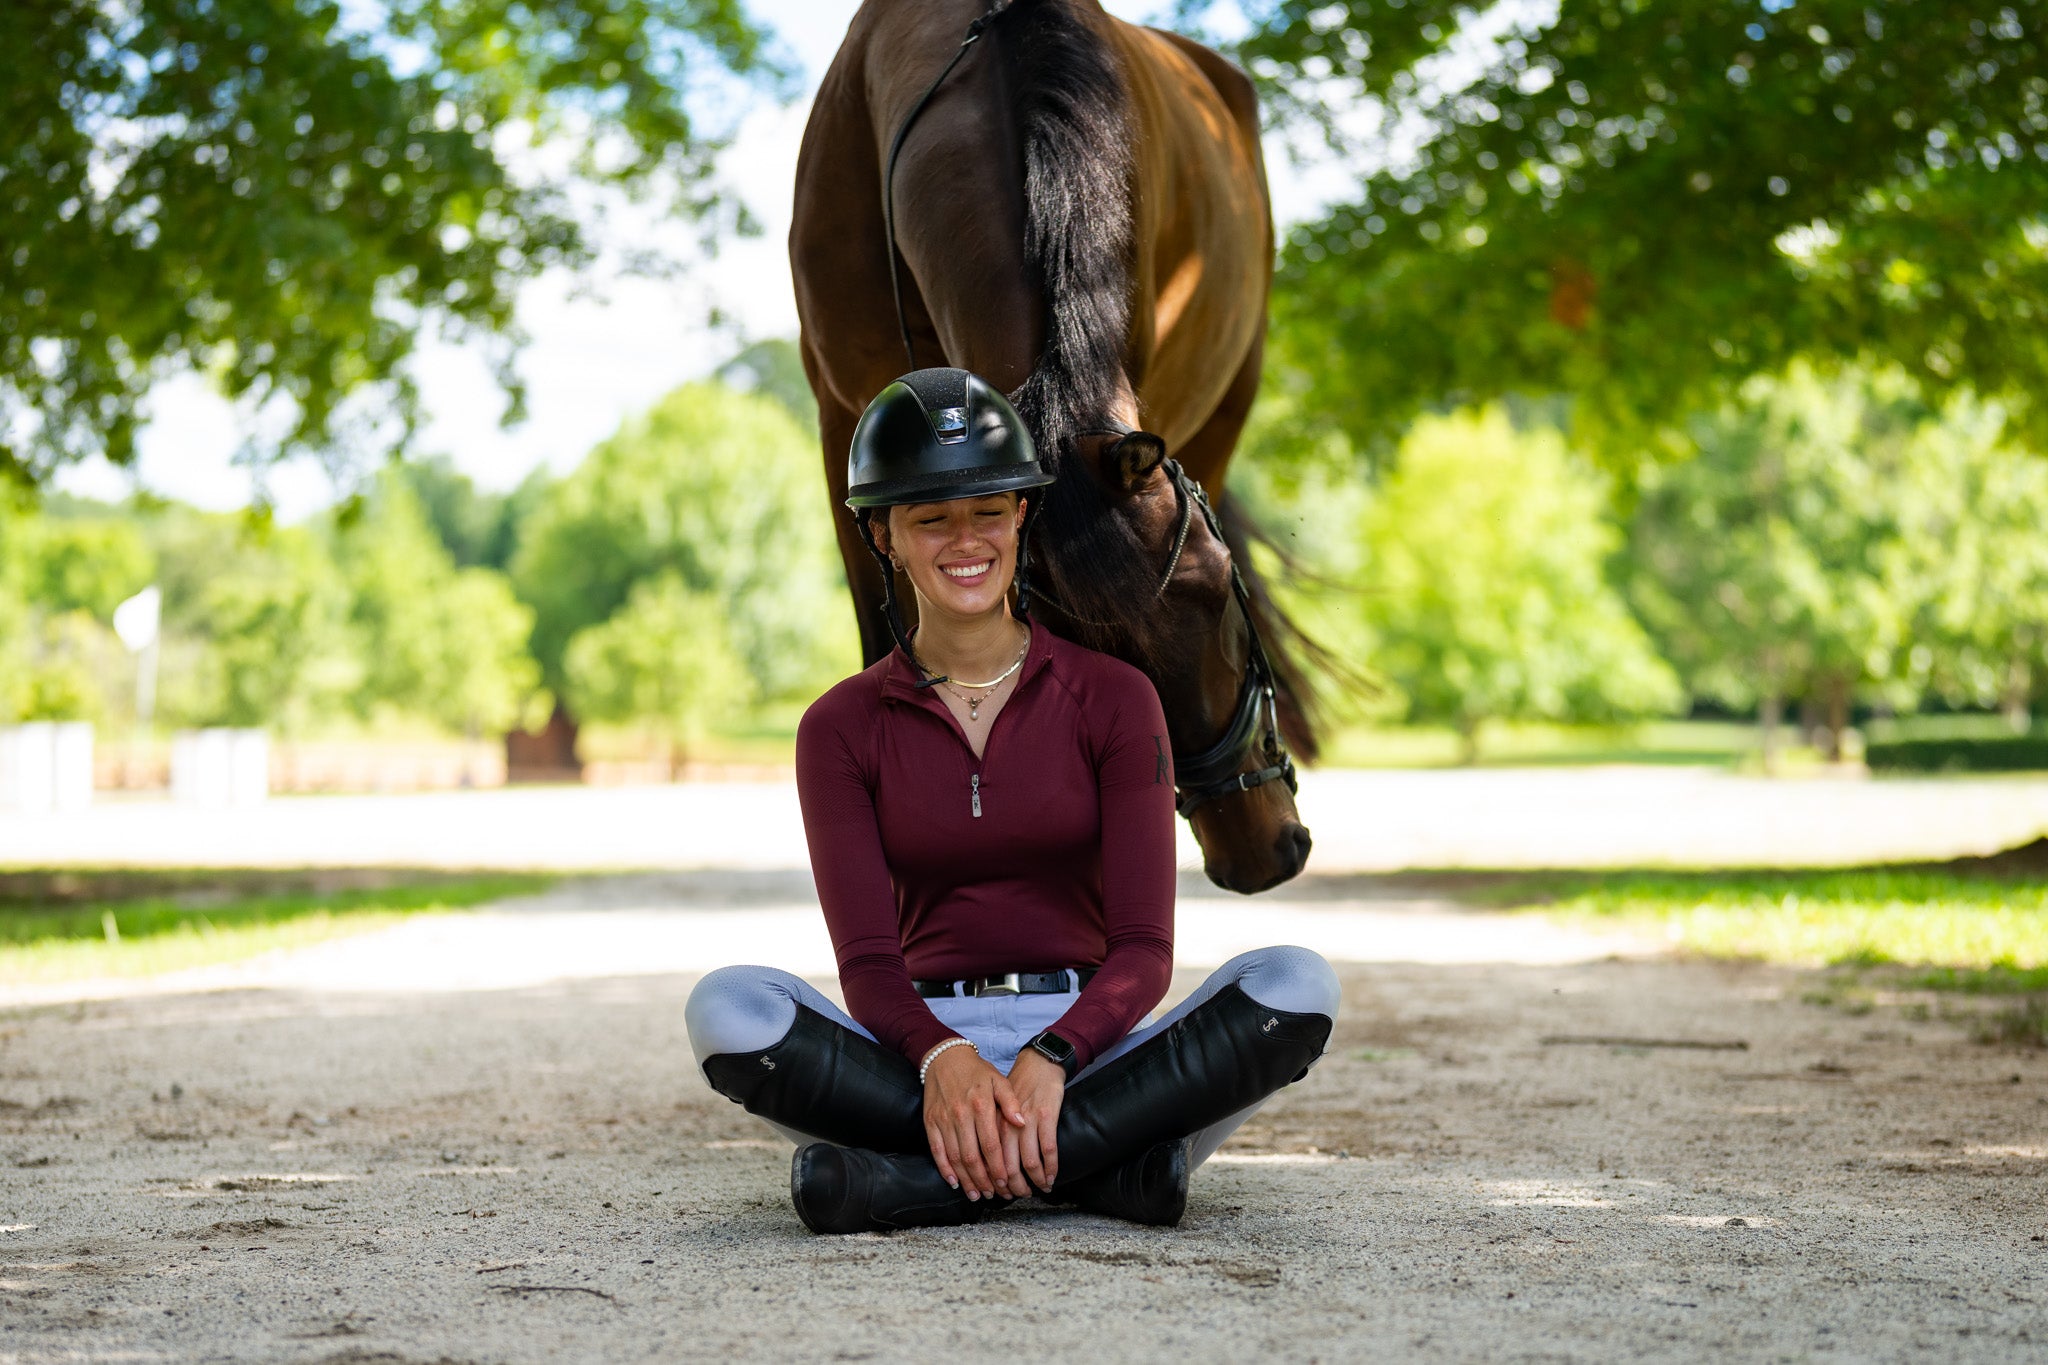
933, 1055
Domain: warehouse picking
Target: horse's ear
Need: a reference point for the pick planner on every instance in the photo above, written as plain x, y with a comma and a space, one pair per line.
1130, 460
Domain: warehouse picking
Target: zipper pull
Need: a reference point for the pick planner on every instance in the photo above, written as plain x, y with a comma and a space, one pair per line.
974, 792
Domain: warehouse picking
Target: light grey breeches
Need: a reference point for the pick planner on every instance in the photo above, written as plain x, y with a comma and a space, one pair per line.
751, 1009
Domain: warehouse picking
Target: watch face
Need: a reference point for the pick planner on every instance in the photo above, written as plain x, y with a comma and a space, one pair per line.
1054, 1047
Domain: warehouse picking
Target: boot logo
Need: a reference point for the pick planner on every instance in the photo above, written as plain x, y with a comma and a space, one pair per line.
1266, 1027
768, 1063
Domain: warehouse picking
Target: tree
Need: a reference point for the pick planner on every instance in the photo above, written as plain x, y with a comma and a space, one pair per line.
60, 580
1485, 590
283, 193
1644, 204
720, 489
1975, 544
255, 622
1778, 562
661, 665
436, 641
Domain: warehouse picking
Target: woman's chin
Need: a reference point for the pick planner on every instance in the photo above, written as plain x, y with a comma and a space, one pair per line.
969, 599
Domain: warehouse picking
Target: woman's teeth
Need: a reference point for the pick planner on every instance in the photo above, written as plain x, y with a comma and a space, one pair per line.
967, 570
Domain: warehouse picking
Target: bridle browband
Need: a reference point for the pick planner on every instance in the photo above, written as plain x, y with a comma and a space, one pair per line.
1214, 772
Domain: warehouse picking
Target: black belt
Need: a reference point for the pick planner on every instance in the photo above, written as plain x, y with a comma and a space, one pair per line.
1061, 982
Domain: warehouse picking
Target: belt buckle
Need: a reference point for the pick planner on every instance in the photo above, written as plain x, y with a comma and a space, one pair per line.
1009, 983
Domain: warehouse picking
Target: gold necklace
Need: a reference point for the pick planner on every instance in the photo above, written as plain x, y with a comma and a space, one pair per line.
987, 689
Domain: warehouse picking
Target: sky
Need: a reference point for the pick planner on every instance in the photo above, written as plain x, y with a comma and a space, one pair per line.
602, 347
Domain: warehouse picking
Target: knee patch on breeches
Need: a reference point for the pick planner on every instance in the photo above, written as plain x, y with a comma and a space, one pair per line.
739, 1009
1297, 980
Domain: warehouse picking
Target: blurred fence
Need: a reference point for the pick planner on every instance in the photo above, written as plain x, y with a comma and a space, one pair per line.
323, 765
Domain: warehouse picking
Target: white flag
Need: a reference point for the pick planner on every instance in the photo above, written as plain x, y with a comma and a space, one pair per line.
135, 620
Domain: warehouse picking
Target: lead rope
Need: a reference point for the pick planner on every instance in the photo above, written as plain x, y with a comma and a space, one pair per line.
974, 32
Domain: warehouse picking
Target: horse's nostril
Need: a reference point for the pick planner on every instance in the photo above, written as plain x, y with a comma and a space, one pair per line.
1295, 844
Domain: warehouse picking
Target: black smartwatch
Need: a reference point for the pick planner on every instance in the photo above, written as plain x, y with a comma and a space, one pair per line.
1055, 1048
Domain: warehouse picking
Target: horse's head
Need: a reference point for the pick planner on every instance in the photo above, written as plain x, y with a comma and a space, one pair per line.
1145, 574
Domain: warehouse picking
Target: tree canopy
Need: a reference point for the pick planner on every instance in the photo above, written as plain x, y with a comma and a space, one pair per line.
1644, 204
284, 193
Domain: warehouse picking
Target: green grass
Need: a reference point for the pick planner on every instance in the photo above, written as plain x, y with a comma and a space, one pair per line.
1856, 917
65, 927
1885, 933
1709, 743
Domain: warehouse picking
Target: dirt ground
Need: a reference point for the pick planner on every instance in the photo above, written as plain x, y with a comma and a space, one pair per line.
534, 1172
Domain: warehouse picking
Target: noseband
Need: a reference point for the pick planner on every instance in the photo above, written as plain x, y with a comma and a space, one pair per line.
1214, 772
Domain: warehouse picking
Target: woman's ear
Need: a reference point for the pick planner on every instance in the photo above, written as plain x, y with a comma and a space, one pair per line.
878, 528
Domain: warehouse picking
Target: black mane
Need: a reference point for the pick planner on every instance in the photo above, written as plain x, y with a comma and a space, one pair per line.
1078, 238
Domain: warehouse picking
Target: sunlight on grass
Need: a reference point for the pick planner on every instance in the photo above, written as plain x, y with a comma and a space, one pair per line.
42, 943
1810, 919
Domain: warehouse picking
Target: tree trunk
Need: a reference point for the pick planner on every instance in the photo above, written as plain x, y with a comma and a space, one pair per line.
2019, 687
1771, 714
1838, 692
1468, 740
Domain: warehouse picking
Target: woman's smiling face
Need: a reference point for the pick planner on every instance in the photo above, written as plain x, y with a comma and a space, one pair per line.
961, 554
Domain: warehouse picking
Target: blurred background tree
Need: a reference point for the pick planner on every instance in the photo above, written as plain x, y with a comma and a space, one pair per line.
438, 641
1485, 591
1644, 205
720, 489
255, 623
662, 665
283, 193
1978, 552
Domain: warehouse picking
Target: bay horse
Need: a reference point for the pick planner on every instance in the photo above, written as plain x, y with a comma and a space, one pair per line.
1080, 215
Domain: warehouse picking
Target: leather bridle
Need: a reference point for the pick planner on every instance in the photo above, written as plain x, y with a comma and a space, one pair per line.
1215, 772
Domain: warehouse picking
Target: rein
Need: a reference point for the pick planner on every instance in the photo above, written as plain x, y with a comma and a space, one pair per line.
974, 32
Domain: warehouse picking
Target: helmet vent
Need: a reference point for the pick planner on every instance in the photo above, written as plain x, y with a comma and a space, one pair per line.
951, 425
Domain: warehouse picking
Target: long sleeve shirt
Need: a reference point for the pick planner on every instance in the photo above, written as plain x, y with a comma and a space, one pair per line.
1054, 849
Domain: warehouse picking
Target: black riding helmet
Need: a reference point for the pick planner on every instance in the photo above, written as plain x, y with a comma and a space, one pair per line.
939, 434
932, 436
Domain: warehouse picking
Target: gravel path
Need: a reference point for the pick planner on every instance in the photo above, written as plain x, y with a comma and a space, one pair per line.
520, 1165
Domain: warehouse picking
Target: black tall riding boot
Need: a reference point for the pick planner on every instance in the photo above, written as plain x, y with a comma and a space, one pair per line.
875, 1170
1122, 1127
826, 1080
1123, 1131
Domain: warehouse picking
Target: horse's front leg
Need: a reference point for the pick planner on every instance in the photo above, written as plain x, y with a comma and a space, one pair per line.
863, 574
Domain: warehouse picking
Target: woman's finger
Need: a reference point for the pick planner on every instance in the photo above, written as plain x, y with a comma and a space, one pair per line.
1012, 1158
1049, 1142
991, 1142
940, 1159
1006, 1101
1029, 1155
973, 1166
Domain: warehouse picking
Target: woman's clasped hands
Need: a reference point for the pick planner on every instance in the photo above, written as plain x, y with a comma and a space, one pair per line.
990, 1133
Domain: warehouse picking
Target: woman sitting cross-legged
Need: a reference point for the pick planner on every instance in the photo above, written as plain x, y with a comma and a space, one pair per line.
990, 816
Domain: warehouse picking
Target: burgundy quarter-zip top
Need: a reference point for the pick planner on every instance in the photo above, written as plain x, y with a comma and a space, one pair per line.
1060, 855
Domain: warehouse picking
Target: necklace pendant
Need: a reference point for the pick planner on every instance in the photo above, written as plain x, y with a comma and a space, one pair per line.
974, 710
